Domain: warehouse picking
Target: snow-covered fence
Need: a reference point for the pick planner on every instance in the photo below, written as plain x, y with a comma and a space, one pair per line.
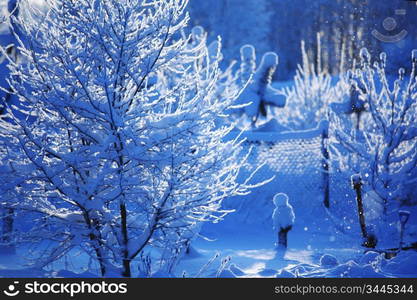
298, 161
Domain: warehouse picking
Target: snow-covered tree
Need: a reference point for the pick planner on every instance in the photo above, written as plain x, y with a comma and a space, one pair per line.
384, 148
121, 148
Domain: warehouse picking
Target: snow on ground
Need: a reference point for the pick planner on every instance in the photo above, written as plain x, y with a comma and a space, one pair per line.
249, 251
315, 248
252, 253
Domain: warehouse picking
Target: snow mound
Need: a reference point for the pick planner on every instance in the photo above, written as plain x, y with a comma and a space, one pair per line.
328, 261
162, 274
404, 264
369, 265
369, 257
268, 273
226, 274
285, 274
236, 270
351, 269
271, 126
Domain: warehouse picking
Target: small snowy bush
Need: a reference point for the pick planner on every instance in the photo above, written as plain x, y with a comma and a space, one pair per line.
308, 100
384, 147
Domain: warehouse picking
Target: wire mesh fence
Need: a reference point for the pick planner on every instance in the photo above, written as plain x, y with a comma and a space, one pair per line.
297, 163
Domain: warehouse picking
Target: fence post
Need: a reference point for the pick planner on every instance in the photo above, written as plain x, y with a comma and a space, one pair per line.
370, 240
325, 162
403, 216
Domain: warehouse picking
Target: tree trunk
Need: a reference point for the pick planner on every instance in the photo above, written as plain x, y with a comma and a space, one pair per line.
361, 212
325, 165
7, 231
101, 262
126, 268
100, 257
126, 260
370, 240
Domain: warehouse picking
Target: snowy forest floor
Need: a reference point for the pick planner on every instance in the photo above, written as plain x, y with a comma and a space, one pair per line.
251, 253
311, 253
247, 249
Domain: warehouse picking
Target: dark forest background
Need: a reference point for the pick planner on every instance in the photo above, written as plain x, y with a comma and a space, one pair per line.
343, 27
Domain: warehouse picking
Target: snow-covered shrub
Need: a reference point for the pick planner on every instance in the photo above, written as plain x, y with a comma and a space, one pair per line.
308, 100
383, 149
123, 150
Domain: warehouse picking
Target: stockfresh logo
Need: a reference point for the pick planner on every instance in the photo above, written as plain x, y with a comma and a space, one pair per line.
12, 289
61, 288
